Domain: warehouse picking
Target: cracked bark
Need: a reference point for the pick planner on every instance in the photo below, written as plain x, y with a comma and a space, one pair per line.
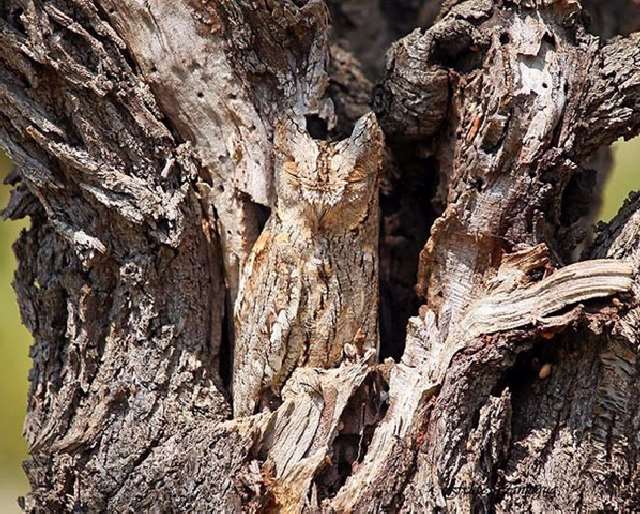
153, 141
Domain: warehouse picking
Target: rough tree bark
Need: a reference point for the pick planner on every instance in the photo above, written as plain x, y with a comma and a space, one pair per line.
219, 224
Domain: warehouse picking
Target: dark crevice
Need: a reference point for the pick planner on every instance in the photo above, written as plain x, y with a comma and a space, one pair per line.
317, 127
457, 54
577, 197
611, 18
367, 29
366, 407
526, 369
13, 16
579, 205
380, 101
258, 215
262, 213
404, 15
406, 218
227, 344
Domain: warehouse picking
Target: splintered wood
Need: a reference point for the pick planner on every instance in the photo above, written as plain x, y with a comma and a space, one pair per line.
564, 288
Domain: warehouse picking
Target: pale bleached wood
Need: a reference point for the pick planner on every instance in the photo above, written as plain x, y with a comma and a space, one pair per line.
530, 306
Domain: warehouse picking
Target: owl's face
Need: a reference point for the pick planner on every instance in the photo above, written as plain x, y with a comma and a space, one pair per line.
331, 185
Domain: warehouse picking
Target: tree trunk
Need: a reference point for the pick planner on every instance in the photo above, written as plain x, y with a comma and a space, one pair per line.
248, 292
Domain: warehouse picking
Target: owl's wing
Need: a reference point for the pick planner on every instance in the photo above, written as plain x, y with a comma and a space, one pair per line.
272, 274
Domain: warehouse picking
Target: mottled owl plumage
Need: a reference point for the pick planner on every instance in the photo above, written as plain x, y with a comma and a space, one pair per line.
314, 268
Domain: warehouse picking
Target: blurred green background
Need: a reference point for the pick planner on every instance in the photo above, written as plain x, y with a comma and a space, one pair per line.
624, 178
14, 364
15, 340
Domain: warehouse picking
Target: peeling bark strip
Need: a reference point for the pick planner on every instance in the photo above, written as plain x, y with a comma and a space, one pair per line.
567, 286
202, 180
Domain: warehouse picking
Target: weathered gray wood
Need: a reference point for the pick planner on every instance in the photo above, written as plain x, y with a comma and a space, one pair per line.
204, 243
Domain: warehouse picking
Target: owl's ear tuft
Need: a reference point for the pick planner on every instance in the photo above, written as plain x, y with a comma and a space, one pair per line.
291, 138
365, 145
367, 131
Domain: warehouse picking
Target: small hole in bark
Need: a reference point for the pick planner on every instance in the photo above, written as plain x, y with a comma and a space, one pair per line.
477, 183
164, 226
317, 127
504, 38
549, 39
199, 94
526, 368
544, 85
269, 401
536, 274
